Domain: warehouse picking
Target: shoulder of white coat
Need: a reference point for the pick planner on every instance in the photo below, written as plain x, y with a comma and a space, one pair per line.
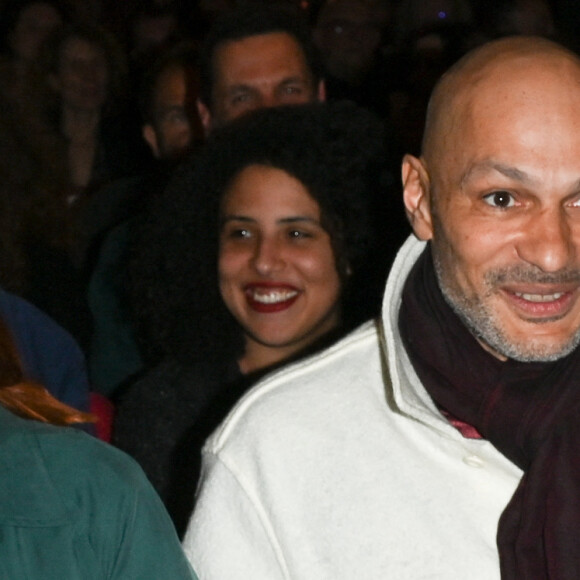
328, 369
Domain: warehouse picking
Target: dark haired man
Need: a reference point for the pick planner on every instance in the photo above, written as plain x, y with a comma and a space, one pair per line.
446, 443
255, 58
171, 124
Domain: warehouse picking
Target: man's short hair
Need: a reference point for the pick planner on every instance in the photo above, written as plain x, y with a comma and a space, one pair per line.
183, 55
247, 22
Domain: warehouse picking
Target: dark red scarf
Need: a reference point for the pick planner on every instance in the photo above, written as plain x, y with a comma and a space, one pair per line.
529, 411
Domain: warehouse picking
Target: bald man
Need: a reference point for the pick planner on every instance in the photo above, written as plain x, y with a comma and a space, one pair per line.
443, 441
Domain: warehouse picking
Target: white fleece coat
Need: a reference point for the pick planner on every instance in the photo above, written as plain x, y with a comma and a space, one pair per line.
336, 467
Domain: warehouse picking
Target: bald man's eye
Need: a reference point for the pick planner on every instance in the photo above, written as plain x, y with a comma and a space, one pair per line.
500, 199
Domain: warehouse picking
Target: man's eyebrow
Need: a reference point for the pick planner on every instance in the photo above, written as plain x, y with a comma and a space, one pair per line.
163, 110
239, 88
286, 220
293, 79
490, 165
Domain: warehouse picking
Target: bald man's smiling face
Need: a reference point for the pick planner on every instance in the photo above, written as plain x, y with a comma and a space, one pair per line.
497, 191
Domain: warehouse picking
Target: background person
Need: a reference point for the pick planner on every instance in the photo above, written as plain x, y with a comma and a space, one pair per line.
172, 129
254, 58
350, 35
89, 144
86, 71
24, 26
72, 507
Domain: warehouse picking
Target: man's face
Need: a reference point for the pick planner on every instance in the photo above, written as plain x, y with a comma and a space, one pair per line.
35, 22
260, 71
501, 205
176, 124
82, 78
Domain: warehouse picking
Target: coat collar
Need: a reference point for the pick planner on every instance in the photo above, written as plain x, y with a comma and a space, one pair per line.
407, 392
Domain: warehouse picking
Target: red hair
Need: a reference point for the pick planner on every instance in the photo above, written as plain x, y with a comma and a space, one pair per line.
27, 398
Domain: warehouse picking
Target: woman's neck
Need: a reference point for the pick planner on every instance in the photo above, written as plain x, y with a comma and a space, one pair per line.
258, 356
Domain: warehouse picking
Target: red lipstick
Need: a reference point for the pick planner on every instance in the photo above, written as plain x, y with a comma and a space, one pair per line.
268, 297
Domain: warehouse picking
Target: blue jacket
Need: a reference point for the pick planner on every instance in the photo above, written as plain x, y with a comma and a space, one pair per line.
49, 354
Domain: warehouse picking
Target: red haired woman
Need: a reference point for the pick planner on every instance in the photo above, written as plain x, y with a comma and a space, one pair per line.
71, 506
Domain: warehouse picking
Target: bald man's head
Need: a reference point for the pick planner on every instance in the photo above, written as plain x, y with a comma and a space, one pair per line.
497, 192
502, 63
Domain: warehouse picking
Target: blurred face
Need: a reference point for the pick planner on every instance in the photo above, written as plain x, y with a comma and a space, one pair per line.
532, 17
214, 8
34, 24
260, 71
500, 202
82, 77
152, 32
423, 13
176, 123
348, 35
277, 268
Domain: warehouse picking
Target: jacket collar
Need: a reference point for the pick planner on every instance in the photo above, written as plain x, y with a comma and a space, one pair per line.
406, 391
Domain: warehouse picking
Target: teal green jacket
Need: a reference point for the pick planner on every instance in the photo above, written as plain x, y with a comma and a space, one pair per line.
72, 507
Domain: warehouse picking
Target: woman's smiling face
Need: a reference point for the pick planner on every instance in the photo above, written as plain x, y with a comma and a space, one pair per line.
277, 268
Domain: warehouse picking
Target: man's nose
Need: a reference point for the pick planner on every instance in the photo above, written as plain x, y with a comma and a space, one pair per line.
548, 241
270, 99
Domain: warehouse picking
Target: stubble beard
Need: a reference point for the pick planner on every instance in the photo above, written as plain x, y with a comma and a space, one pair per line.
485, 325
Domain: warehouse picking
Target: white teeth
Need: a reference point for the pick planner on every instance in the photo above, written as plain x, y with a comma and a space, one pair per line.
274, 296
540, 297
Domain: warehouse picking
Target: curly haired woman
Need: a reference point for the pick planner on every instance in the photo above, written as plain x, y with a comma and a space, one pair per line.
251, 259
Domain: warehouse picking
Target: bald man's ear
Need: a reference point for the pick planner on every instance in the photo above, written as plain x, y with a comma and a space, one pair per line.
416, 195
205, 116
150, 137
